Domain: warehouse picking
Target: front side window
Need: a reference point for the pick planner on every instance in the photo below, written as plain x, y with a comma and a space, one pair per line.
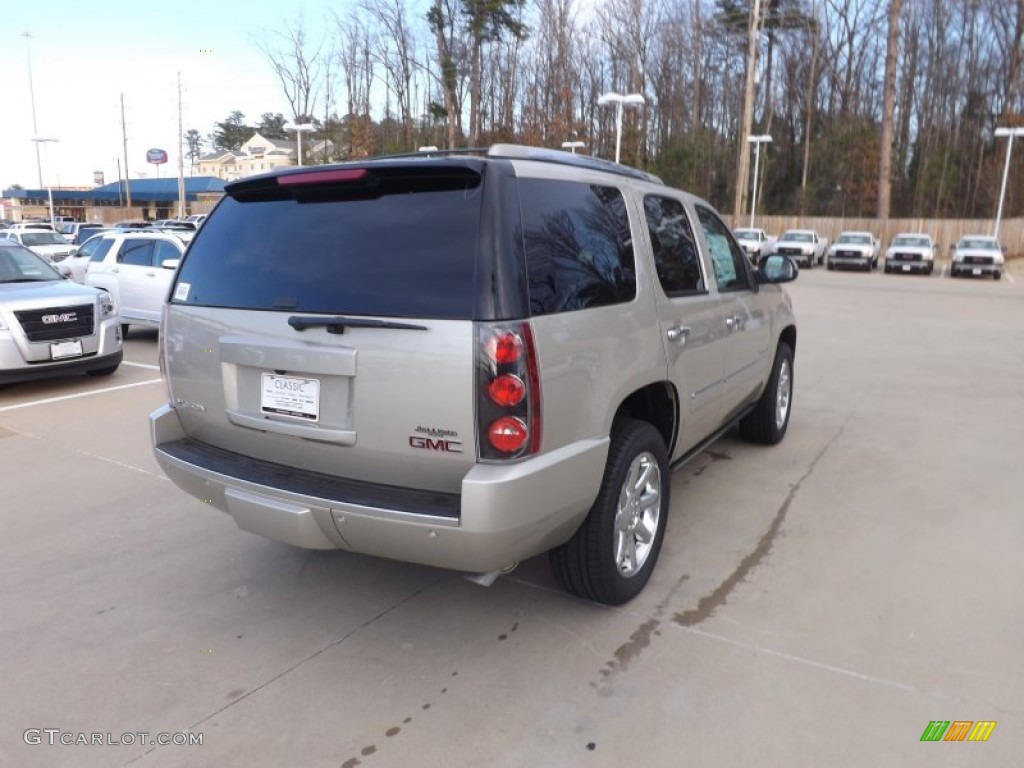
97, 249
676, 257
137, 253
726, 256
579, 250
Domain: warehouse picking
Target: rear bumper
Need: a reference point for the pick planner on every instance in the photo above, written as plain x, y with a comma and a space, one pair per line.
504, 513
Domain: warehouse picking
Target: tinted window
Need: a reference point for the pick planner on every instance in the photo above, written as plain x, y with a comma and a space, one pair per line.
137, 253
166, 250
96, 249
579, 251
726, 256
675, 250
408, 251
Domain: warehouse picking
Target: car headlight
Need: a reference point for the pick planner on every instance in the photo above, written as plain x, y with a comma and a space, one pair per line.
107, 308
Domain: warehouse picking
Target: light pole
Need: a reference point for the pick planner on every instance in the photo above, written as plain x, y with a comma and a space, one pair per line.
49, 190
572, 146
299, 128
620, 101
757, 141
32, 96
1009, 133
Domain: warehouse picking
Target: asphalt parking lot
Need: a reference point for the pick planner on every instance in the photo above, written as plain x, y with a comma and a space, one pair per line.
816, 604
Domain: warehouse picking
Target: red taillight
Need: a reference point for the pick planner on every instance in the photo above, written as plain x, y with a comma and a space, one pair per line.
508, 408
507, 390
508, 434
507, 349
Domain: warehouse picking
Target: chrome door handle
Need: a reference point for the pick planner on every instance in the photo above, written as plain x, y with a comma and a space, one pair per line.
734, 322
678, 334
730, 322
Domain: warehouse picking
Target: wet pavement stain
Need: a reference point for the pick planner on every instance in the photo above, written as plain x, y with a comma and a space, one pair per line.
236, 693
392, 731
352, 762
719, 455
707, 604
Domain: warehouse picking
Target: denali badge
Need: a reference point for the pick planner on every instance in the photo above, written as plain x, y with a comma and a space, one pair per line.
66, 317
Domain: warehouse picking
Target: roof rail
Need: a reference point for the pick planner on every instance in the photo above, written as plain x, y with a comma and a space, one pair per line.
541, 154
523, 152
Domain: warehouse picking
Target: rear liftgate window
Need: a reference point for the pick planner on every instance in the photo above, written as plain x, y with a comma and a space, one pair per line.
391, 242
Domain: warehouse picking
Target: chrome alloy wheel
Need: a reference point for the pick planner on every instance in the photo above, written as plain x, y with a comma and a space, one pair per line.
638, 514
782, 394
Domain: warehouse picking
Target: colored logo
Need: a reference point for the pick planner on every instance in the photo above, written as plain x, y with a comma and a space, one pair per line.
958, 730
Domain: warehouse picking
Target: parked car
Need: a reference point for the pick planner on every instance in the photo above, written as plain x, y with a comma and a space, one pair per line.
196, 218
50, 326
977, 255
465, 361
854, 249
44, 242
805, 246
136, 268
756, 242
911, 252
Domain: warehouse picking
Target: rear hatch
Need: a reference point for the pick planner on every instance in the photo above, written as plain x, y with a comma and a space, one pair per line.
323, 320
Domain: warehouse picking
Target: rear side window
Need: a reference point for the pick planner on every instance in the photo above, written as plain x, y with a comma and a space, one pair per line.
579, 251
675, 250
405, 247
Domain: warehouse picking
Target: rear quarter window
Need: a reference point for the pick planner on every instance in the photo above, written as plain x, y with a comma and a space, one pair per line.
579, 250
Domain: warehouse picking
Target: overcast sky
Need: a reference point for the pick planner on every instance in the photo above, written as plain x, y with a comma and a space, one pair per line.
86, 54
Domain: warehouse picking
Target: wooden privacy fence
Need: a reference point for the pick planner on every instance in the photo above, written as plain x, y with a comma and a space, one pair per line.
945, 232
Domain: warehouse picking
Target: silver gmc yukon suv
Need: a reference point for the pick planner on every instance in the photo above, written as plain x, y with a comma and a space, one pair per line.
466, 360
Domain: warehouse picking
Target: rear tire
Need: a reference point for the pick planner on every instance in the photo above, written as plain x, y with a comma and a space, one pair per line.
610, 558
768, 422
124, 330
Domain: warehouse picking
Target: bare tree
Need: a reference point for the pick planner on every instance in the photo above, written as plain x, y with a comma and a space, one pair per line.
297, 63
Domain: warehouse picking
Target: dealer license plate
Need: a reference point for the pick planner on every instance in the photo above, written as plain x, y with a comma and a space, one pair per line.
291, 396
906, 268
977, 271
62, 349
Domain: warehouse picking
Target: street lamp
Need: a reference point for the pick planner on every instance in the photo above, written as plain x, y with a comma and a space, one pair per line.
757, 141
49, 190
573, 145
299, 128
620, 101
1009, 133
32, 97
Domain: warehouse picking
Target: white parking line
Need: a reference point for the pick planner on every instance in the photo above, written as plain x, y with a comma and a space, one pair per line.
147, 366
80, 394
1009, 277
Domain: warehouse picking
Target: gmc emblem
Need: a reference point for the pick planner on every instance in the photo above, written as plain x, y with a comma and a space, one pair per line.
430, 444
67, 317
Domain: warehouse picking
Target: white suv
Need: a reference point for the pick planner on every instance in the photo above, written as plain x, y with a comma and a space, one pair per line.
137, 269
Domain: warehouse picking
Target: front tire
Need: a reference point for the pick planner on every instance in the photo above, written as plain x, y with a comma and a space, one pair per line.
611, 557
768, 422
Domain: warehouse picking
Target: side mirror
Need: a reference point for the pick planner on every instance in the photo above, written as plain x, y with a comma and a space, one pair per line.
64, 269
72, 253
777, 269
170, 263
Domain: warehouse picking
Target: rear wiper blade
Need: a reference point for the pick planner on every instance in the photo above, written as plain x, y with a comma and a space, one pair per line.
339, 323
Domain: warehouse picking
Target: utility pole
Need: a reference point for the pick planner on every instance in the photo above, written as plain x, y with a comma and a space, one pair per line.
743, 164
181, 159
124, 139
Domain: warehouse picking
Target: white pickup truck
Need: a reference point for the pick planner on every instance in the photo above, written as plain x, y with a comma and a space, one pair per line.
854, 249
805, 246
756, 243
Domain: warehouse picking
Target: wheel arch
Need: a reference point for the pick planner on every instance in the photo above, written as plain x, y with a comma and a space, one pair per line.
656, 403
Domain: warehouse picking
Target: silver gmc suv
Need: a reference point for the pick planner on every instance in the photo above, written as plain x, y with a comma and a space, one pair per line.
465, 361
